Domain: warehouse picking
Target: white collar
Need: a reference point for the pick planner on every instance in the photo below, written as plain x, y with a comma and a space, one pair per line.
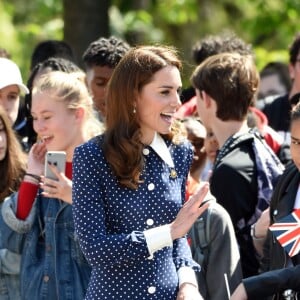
160, 147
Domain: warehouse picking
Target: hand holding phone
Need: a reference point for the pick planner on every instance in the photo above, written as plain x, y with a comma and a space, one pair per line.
57, 159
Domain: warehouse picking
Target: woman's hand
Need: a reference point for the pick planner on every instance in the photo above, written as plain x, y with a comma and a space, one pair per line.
239, 293
36, 159
61, 188
189, 213
188, 291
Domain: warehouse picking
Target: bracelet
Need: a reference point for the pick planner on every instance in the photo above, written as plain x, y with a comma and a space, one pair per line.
254, 237
36, 177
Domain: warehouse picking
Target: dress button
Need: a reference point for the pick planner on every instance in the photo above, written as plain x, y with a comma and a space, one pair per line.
151, 289
150, 222
146, 151
46, 278
151, 186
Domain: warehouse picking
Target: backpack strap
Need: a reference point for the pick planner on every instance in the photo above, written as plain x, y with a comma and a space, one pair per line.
200, 235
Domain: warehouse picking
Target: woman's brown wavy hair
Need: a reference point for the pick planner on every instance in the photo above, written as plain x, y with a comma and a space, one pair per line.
13, 166
122, 140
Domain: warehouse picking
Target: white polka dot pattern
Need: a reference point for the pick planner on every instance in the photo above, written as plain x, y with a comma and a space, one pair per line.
110, 221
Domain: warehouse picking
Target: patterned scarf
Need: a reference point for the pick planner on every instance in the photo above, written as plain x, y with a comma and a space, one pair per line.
268, 166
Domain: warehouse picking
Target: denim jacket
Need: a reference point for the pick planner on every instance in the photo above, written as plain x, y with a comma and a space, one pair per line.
52, 264
9, 275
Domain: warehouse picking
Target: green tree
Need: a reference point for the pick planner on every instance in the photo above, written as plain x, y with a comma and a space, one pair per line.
269, 25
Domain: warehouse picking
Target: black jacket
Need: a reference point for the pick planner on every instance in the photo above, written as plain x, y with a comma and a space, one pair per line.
282, 204
265, 284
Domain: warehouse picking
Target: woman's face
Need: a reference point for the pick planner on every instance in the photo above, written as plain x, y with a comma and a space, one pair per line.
157, 103
9, 100
55, 124
3, 141
295, 142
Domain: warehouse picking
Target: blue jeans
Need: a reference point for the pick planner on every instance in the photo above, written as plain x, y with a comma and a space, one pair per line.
9, 287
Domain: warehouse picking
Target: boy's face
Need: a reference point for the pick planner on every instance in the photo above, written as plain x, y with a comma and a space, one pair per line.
295, 142
295, 73
201, 108
211, 145
97, 80
271, 85
10, 100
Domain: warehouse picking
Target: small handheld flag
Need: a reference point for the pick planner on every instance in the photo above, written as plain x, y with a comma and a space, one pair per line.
287, 232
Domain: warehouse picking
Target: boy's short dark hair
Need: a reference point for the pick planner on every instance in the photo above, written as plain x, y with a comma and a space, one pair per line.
105, 52
51, 48
231, 80
215, 44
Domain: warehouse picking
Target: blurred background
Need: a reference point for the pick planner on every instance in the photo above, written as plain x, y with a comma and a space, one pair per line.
269, 25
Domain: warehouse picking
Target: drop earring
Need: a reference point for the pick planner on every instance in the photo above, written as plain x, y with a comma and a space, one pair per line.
134, 110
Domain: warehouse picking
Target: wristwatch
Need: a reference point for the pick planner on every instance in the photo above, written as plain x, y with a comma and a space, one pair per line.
252, 233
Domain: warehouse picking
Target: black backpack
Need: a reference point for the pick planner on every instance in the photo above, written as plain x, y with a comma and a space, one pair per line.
200, 242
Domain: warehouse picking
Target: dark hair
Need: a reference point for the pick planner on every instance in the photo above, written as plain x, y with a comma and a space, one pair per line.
51, 48
122, 146
295, 99
105, 52
50, 64
215, 44
278, 68
231, 80
13, 166
294, 49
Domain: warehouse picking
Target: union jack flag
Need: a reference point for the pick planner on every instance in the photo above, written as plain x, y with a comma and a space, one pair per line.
287, 232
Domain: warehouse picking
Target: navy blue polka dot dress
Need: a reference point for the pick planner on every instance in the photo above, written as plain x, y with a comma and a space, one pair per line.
110, 221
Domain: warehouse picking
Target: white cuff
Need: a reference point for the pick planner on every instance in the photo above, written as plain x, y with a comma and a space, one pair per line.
187, 275
158, 238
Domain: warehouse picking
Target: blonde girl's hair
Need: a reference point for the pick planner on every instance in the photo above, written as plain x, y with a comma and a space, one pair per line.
72, 90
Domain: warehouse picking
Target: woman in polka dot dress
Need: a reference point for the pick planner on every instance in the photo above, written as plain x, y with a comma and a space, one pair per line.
129, 186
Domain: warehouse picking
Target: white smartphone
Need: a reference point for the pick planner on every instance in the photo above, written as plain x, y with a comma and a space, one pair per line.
57, 159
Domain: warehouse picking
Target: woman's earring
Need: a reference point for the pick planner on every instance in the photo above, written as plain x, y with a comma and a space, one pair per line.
134, 110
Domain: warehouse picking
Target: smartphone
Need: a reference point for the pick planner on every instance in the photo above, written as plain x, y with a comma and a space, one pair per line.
57, 159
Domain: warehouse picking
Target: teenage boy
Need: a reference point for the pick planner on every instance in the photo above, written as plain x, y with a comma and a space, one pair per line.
278, 111
100, 59
241, 181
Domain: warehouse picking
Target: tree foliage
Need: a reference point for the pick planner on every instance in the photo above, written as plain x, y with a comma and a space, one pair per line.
269, 25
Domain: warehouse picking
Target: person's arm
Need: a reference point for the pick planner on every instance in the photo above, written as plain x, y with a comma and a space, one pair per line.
27, 193
239, 293
29, 186
88, 197
259, 231
268, 283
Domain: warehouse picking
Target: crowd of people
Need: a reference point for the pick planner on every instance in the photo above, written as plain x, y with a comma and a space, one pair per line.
168, 192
